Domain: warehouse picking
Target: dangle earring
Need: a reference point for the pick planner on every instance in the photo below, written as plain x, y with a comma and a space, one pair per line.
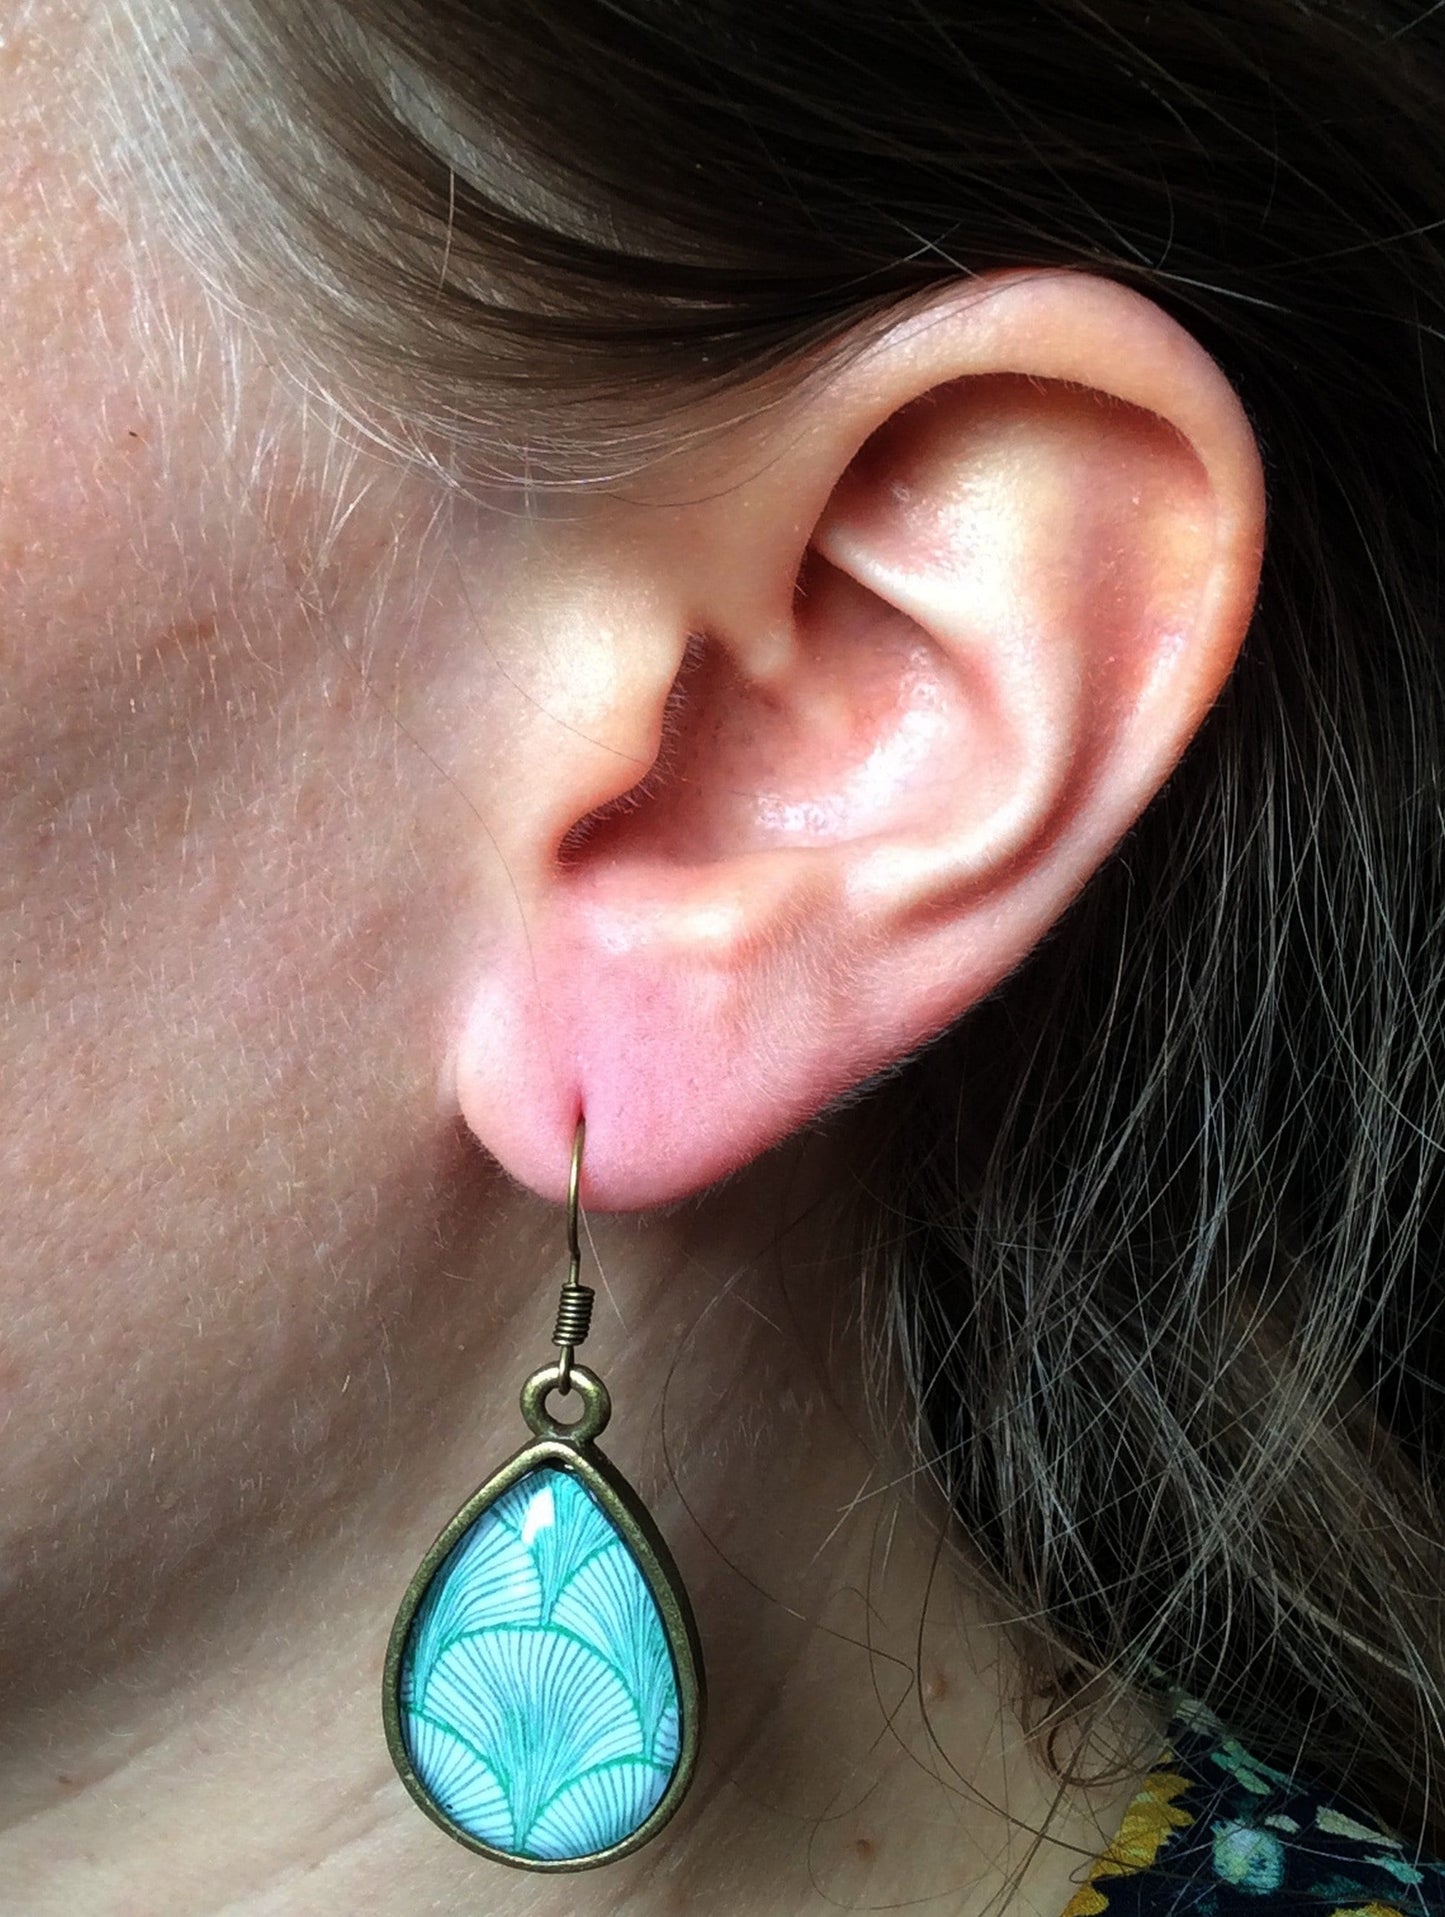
543, 1695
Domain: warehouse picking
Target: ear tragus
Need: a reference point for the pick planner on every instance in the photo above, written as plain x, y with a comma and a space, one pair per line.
600, 826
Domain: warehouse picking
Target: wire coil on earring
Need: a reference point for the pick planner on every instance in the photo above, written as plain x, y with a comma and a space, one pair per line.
574, 1317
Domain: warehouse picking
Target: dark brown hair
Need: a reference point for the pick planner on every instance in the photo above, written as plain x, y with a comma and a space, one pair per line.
1159, 1225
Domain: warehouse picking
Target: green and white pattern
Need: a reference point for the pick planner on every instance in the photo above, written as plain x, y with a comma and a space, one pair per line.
538, 1697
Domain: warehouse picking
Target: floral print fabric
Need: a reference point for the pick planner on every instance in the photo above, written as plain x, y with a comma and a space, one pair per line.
1214, 1832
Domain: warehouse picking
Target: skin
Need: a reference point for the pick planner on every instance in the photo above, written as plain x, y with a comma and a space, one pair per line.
302, 1003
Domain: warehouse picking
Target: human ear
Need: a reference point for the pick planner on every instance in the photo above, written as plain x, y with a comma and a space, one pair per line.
881, 702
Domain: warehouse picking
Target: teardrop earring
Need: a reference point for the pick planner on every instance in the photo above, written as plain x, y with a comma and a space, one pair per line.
543, 1694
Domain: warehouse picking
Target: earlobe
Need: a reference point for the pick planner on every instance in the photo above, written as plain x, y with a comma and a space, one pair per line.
1013, 595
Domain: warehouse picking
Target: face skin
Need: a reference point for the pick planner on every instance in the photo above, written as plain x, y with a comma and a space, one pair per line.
288, 740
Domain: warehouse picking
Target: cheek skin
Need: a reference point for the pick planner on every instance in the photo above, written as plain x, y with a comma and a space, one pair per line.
234, 901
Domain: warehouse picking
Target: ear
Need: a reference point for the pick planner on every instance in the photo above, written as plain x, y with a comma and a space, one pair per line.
869, 708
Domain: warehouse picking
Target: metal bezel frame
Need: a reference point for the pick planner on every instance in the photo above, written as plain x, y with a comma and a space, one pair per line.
642, 1537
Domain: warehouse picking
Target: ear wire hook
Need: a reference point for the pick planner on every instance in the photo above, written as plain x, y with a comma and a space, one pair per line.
574, 1306
574, 1186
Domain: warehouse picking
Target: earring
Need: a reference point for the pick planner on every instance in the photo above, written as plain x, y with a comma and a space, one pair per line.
544, 1693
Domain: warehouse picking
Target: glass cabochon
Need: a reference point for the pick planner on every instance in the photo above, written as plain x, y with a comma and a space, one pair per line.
539, 1702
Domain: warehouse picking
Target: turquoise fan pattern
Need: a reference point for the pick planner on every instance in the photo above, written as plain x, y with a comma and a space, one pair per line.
538, 1698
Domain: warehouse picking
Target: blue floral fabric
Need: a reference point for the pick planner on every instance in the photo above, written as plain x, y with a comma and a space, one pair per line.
1215, 1832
